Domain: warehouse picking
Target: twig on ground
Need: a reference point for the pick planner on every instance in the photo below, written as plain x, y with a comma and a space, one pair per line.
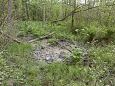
1, 52
42, 37
10, 37
65, 47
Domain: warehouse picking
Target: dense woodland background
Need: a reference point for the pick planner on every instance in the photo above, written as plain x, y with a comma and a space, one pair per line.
84, 12
25, 23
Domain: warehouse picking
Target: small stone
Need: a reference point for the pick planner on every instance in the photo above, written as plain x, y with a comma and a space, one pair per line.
62, 55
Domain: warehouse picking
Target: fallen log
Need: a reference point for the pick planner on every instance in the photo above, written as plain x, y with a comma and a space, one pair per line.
42, 37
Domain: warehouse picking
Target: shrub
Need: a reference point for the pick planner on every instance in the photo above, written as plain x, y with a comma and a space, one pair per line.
96, 34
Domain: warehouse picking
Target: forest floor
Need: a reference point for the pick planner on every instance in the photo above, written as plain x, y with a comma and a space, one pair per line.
58, 51
50, 49
58, 59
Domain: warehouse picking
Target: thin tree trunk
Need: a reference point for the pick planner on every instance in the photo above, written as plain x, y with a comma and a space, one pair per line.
26, 8
72, 22
44, 14
15, 7
85, 2
2, 7
9, 16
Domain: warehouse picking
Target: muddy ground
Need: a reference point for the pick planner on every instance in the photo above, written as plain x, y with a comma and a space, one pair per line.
44, 51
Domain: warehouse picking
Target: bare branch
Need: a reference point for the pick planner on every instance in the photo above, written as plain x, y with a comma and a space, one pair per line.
42, 37
10, 37
74, 11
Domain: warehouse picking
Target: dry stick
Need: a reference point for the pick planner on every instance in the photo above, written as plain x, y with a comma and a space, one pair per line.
1, 52
41, 38
74, 11
69, 14
65, 47
3, 19
8, 36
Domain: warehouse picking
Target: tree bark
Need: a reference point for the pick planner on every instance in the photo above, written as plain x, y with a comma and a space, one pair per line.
2, 7
9, 16
26, 8
72, 21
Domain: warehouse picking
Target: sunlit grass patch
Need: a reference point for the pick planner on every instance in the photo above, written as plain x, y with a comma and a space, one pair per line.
37, 29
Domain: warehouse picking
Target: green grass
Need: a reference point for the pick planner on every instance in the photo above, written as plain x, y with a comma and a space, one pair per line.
104, 54
95, 33
90, 33
18, 67
37, 29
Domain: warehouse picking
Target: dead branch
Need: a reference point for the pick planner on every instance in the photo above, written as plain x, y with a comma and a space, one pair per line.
6, 35
64, 47
2, 21
74, 11
42, 37
69, 14
10, 37
92, 8
1, 52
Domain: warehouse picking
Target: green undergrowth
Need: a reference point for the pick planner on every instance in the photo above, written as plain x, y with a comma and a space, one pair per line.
95, 33
38, 29
17, 67
96, 68
103, 54
90, 33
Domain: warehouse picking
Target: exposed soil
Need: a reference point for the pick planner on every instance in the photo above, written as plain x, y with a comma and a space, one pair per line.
44, 51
